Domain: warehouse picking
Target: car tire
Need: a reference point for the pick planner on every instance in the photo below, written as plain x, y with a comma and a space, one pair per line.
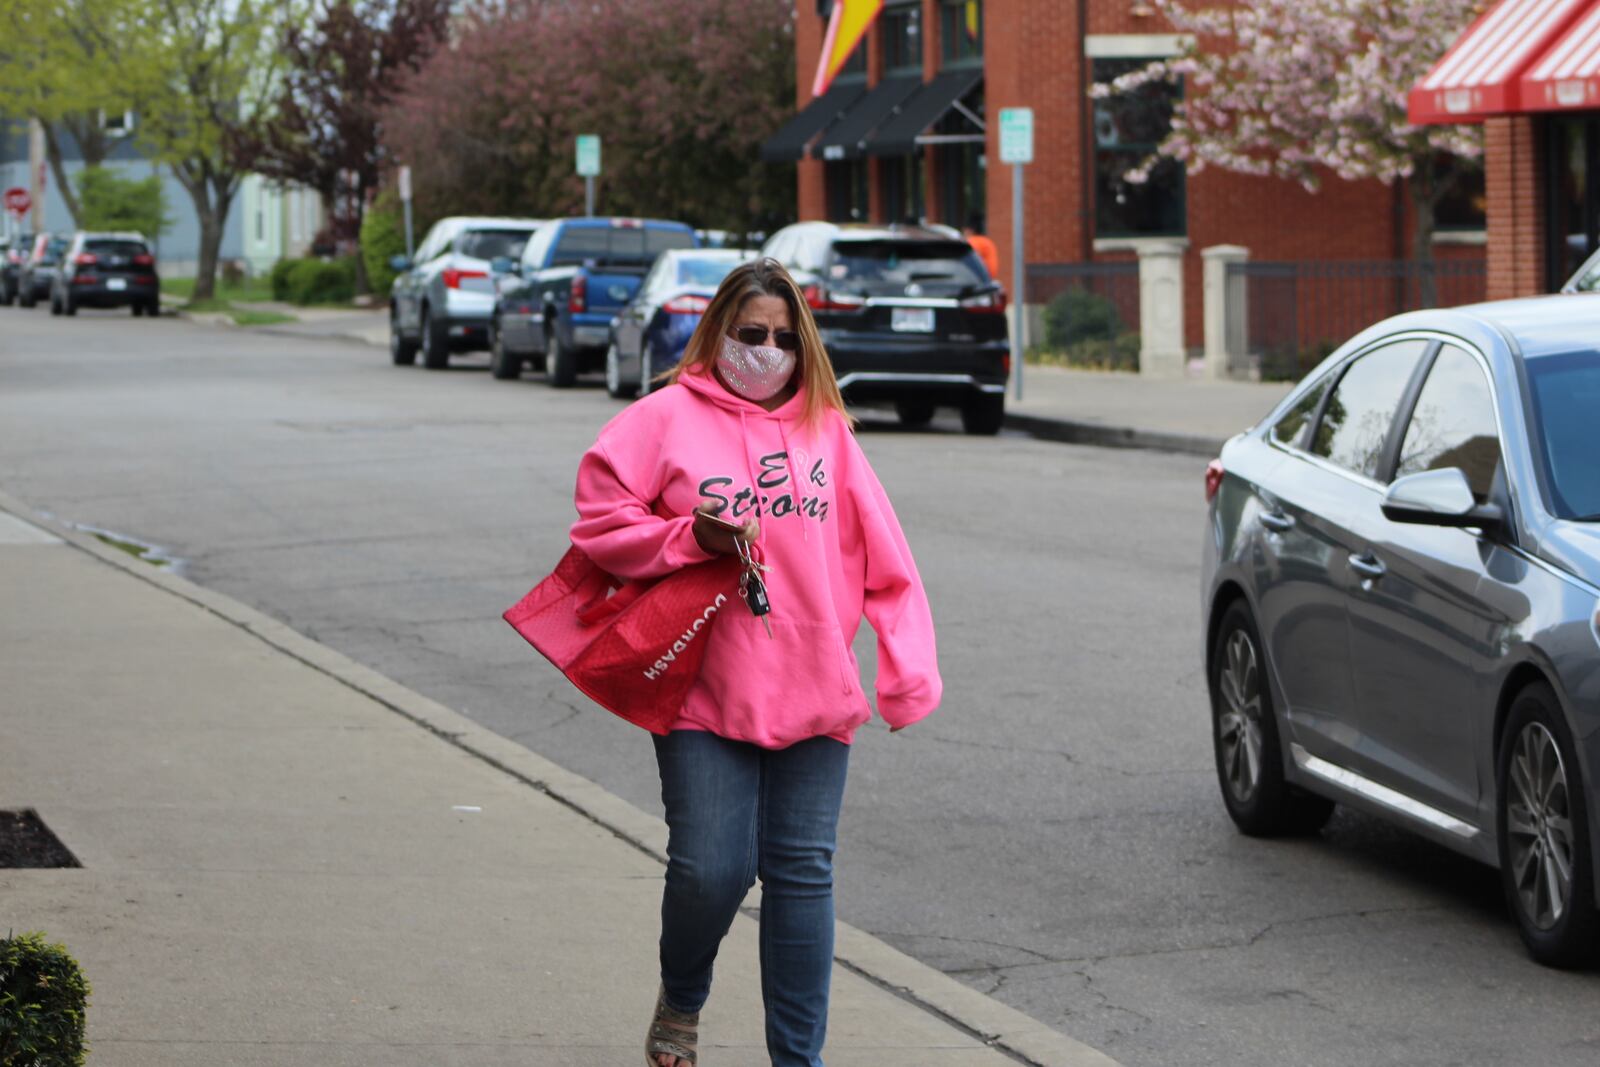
616, 388
402, 351
55, 305
914, 412
983, 415
502, 364
7, 295
1541, 813
137, 309
1244, 736
560, 368
435, 342
68, 307
152, 310
647, 363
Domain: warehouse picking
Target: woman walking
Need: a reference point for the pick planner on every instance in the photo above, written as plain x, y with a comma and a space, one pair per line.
753, 445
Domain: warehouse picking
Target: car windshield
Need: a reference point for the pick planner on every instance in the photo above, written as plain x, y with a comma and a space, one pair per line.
51, 250
891, 266
617, 245
492, 244
704, 272
1566, 394
116, 248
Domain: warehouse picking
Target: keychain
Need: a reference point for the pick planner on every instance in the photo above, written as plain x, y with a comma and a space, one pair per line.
751, 588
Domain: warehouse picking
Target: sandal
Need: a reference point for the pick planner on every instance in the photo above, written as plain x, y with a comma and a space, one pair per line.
673, 1033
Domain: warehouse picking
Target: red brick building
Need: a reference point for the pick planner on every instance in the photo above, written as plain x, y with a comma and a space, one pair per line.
911, 128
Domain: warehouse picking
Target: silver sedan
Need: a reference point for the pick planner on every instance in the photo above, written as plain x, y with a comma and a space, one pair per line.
1401, 581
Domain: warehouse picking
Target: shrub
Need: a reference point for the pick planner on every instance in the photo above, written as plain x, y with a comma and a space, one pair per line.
44, 999
314, 281
1120, 353
1079, 315
112, 202
383, 235
280, 278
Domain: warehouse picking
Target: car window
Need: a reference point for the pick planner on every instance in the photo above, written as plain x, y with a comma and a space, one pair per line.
534, 252
492, 244
781, 247
890, 266
1587, 280
1566, 395
616, 244
108, 247
1356, 422
1453, 424
1291, 428
707, 273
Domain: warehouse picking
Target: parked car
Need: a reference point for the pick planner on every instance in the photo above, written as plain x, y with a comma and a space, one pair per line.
1401, 580
106, 270
1586, 279
38, 270
909, 316
440, 303
556, 304
13, 251
649, 334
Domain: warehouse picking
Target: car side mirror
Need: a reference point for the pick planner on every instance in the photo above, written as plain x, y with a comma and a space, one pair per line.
504, 265
1438, 498
399, 264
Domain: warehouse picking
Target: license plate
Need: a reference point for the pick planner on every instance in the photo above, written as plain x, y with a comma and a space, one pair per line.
911, 320
116, 285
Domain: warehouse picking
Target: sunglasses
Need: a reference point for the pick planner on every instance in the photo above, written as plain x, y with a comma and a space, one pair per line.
787, 340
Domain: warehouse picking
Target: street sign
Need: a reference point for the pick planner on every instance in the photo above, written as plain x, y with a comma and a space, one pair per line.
1016, 135
405, 183
588, 154
17, 201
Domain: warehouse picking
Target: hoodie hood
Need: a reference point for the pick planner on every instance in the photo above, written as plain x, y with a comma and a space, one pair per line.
705, 384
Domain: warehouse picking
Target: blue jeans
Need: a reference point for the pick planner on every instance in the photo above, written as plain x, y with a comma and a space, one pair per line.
736, 811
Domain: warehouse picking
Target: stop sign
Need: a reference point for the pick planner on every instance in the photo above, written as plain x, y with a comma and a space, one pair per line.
18, 201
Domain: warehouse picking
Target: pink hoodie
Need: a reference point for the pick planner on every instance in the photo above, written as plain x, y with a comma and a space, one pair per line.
827, 531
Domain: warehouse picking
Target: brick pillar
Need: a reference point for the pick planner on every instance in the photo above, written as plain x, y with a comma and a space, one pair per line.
1515, 192
813, 191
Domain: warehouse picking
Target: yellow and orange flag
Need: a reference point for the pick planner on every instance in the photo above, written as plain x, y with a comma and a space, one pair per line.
846, 27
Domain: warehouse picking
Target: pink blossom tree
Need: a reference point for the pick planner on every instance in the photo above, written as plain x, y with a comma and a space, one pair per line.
1299, 88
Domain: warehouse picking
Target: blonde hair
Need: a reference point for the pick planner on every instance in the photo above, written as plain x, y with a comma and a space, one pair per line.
766, 277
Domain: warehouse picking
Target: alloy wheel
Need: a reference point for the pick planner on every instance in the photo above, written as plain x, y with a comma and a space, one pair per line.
1239, 724
1539, 827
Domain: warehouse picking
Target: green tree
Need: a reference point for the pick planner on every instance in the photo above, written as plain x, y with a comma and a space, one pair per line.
112, 202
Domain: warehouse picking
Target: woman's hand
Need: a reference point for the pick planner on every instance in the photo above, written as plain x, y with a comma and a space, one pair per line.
717, 538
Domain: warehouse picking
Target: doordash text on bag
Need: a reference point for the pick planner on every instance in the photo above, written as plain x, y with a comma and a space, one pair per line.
659, 667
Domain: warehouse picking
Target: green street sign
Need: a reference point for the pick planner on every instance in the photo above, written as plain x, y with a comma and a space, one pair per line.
1016, 135
588, 154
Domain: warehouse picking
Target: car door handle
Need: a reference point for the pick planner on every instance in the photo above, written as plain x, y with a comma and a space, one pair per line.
1277, 521
1368, 566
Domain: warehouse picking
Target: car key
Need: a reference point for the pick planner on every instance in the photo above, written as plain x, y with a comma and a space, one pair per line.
753, 590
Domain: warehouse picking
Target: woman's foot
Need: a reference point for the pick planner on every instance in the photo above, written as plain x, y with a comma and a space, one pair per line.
673, 1037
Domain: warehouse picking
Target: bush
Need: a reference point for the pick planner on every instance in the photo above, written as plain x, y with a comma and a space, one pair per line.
383, 235
314, 281
112, 202
44, 999
1120, 353
1079, 315
279, 278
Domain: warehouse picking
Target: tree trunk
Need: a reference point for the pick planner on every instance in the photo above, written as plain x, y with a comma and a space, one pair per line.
213, 195
1425, 189
58, 167
363, 284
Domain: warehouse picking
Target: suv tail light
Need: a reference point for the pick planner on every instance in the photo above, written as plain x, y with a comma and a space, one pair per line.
1214, 473
686, 305
85, 259
145, 260
991, 303
578, 298
453, 277
822, 299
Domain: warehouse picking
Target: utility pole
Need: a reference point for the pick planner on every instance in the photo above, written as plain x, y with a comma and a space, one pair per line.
36, 165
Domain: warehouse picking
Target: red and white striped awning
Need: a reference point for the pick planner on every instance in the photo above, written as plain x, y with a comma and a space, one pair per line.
1480, 74
1567, 74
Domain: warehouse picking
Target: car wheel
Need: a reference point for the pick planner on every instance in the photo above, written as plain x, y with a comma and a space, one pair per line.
502, 364
435, 342
25, 297
152, 310
983, 415
559, 368
914, 412
402, 352
68, 307
7, 294
647, 366
1244, 734
615, 387
1545, 865
137, 309
55, 305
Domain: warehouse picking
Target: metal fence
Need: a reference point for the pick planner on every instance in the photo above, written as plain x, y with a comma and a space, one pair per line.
1087, 312
1296, 313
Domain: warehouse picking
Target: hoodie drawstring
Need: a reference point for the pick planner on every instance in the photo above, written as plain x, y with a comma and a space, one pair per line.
794, 482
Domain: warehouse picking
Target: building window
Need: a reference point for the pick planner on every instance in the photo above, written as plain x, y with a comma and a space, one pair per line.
846, 183
855, 68
961, 32
1464, 206
900, 179
1572, 226
901, 33
1127, 129
963, 169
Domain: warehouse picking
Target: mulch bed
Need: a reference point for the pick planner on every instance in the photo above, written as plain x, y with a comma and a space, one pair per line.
25, 841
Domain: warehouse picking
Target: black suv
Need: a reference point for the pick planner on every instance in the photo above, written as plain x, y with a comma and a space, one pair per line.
107, 270
13, 253
909, 315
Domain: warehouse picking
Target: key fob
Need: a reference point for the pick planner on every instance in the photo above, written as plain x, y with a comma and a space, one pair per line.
755, 595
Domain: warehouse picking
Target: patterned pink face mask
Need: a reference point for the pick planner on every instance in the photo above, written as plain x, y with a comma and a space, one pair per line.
755, 372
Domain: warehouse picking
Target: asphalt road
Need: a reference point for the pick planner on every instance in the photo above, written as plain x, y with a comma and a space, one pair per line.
1052, 835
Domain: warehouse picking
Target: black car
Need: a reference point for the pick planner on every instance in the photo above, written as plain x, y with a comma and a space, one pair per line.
107, 270
909, 314
13, 251
38, 270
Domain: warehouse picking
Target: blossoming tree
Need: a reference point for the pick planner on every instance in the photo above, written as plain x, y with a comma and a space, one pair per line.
1300, 88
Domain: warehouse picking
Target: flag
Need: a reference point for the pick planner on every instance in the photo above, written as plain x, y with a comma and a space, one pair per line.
846, 27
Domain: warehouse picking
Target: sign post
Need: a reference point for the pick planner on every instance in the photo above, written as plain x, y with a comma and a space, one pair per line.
1016, 148
588, 167
405, 201
17, 201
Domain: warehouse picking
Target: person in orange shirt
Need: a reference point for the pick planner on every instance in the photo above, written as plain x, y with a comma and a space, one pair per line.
982, 245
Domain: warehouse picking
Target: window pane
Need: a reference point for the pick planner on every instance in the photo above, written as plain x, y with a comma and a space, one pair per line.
1566, 395
890, 266
1127, 129
1356, 423
902, 41
1290, 429
1453, 425
961, 31
491, 244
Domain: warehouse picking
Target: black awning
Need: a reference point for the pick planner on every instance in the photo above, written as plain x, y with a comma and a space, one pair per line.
897, 136
846, 138
788, 145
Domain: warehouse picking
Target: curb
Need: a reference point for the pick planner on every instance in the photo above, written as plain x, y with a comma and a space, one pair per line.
1005, 1029
1076, 432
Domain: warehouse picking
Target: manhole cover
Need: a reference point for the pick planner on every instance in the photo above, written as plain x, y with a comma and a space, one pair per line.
25, 841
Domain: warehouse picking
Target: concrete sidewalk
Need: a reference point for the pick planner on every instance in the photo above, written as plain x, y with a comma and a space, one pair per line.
289, 859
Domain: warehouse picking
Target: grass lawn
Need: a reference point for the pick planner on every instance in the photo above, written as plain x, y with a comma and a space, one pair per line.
248, 290
241, 316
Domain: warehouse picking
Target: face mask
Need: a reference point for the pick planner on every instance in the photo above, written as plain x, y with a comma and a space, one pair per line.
755, 372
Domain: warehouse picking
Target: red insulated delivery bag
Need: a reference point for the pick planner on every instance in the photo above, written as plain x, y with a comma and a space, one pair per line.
634, 648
